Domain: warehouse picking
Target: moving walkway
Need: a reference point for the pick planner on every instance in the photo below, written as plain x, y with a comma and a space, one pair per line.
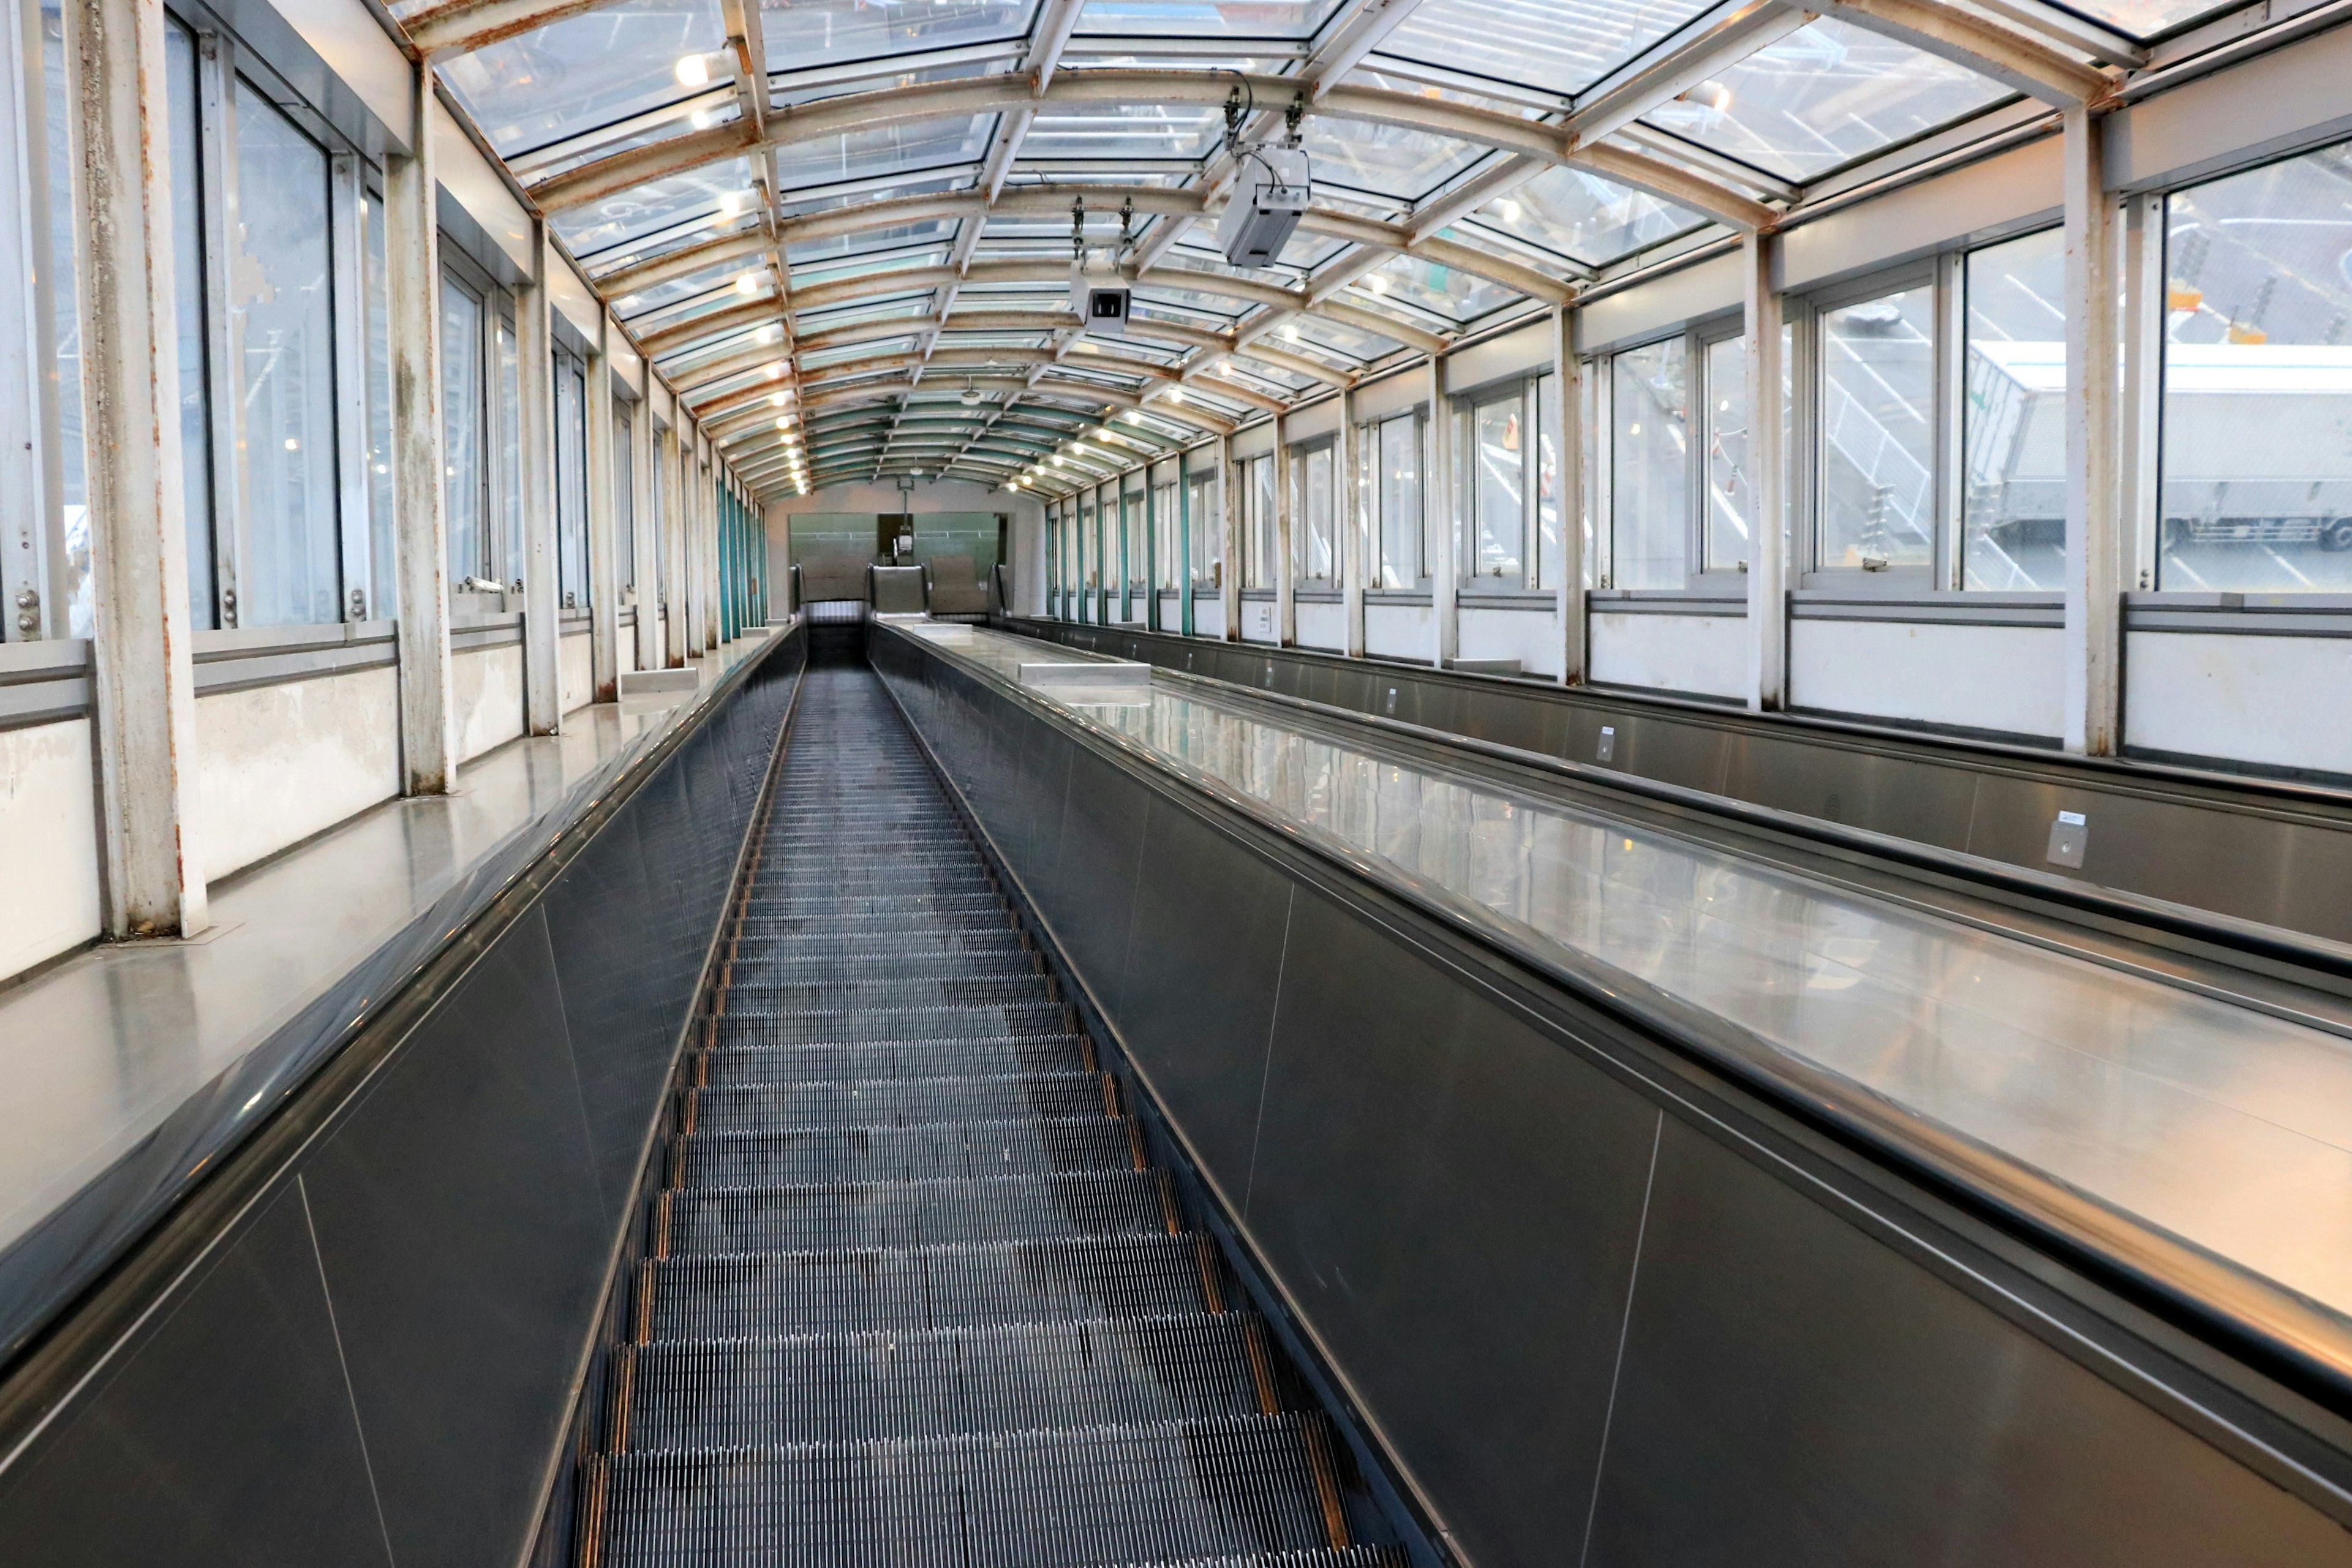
1002, 1105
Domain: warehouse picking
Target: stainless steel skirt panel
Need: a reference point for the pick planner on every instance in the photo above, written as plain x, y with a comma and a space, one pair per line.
2258, 850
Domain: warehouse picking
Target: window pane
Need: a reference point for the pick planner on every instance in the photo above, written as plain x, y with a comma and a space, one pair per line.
571, 484
1089, 559
188, 284
461, 430
1257, 485
1138, 560
1207, 532
661, 556
624, 499
506, 554
1650, 467
1400, 502
1878, 438
1168, 534
282, 325
1729, 496
384, 598
2013, 474
1320, 559
2257, 492
1546, 572
1498, 494
64, 366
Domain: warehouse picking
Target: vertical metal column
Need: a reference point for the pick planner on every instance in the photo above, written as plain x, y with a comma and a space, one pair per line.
2093, 535
1229, 587
1767, 555
1347, 516
1568, 443
412, 234
1286, 539
542, 619
604, 522
1437, 492
146, 695
645, 511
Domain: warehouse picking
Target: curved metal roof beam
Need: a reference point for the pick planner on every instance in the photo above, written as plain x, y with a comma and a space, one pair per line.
963, 98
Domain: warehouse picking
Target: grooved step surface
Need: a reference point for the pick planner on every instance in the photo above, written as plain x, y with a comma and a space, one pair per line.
914, 1292
916, 1153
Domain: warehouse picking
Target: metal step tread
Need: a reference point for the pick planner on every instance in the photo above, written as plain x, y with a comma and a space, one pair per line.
1094, 1372
891, 1023
911, 1213
933, 1152
757, 998
1085, 1497
789, 968
983, 1056
895, 1101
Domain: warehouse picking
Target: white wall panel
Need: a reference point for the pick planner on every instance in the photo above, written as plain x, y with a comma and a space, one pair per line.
1208, 615
488, 697
277, 764
1531, 636
2005, 678
1258, 620
49, 842
1706, 655
1323, 625
2282, 701
576, 671
1400, 631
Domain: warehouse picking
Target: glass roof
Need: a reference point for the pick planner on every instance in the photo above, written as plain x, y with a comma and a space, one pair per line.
1823, 97
1555, 46
597, 96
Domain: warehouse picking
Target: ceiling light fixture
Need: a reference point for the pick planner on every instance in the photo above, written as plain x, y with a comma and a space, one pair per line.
693, 71
749, 283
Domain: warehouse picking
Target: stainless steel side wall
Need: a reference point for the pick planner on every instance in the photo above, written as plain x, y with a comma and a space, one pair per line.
376, 1365
1602, 1307
2270, 853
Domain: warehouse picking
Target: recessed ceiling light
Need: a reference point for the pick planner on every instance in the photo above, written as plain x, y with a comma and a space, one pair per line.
693, 71
749, 283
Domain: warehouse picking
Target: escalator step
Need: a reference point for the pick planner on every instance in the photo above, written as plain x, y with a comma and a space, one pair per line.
893, 1024
959, 1150
895, 1101
750, 997
1099, 1496
727, 1066
914, 1214
786, 967
1116, 1372
926, 1287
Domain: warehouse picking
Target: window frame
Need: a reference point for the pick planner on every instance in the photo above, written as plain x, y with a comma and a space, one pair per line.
1938, 275
1302, 524
1375, 513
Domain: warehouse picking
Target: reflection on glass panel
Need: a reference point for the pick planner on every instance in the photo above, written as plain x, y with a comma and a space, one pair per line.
188, 284
461, 433
1207, 19
624, 499
1547, 572
1556, 46
1397, 453
805, 34
2257, 489
1497, 488
1167, 535
506, 554
1139, 547
1258, 523
661, 503
383, 597
64, 364
1116, 132
1443, 292
1089, 549
1723, 531
1877, 506
1207, 525
910, 148
1584, 217
282, 334
1317, 541
1650, 467
1822, 97
571, 484
576, 75
1385, 160
2013, 437
717, 193
2146, 18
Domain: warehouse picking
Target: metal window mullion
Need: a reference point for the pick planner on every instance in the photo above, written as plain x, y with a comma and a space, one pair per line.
1603, 372
348, 305
1951, 359
216, 175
